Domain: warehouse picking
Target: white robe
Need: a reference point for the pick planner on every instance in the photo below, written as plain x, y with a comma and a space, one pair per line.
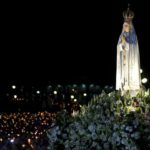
128, 76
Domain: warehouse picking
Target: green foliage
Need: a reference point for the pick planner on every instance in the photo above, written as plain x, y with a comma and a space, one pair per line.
109, 121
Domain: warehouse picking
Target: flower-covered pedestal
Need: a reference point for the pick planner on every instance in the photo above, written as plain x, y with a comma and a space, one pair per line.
110, 121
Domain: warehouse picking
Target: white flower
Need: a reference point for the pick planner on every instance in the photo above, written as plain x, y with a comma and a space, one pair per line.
58, 132
57, 128
103, 137
81, 132
136, 135
72, 132
115, 135
129, 128
124, 134
122, 127
97, 107
116, 126
110, 139
94, 144
67, 145
133, 148
94, 136
118, 102
118, 139
124, 141
93, 107
53, 124
91, 128
105, 104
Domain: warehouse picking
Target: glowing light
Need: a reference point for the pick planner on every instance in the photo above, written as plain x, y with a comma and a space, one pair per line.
83, 86
13, 87
84, 94
15, 96
12, 140
23, 145
38, 92
72, 96
144, 80
29, 141
141, 71
55, 92
75, 100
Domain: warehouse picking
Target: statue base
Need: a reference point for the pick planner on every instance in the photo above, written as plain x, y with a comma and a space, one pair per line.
133, 93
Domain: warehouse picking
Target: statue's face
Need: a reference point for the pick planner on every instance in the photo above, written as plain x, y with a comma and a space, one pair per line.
126, 27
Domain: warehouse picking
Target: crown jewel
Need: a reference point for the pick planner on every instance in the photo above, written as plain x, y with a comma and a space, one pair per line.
128, 15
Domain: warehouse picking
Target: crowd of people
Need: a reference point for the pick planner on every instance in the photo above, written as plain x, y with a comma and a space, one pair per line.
25, 131
26, 115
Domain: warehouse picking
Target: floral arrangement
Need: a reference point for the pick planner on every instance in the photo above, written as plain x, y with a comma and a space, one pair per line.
109, 122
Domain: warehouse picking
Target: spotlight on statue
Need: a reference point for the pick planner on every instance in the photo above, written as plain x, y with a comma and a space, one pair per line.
144, 80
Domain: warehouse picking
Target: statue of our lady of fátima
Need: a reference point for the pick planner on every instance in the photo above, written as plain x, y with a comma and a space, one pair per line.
128, 77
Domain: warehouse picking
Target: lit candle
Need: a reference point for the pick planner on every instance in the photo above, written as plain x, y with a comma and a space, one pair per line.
29, 141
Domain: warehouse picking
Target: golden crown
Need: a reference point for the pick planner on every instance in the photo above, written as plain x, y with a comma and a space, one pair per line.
128, 15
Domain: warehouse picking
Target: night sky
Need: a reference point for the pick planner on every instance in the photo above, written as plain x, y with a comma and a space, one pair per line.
67, 42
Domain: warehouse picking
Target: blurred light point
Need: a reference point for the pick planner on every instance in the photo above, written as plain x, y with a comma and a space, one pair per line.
12, 140
144, 80
23, 145
83, 86
72, 96
38, 92
13, 87
29, 141
141, 71
15, 96
75, 100
55, 92
84, 94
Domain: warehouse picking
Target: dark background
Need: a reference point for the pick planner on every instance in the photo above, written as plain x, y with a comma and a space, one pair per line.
67, 42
